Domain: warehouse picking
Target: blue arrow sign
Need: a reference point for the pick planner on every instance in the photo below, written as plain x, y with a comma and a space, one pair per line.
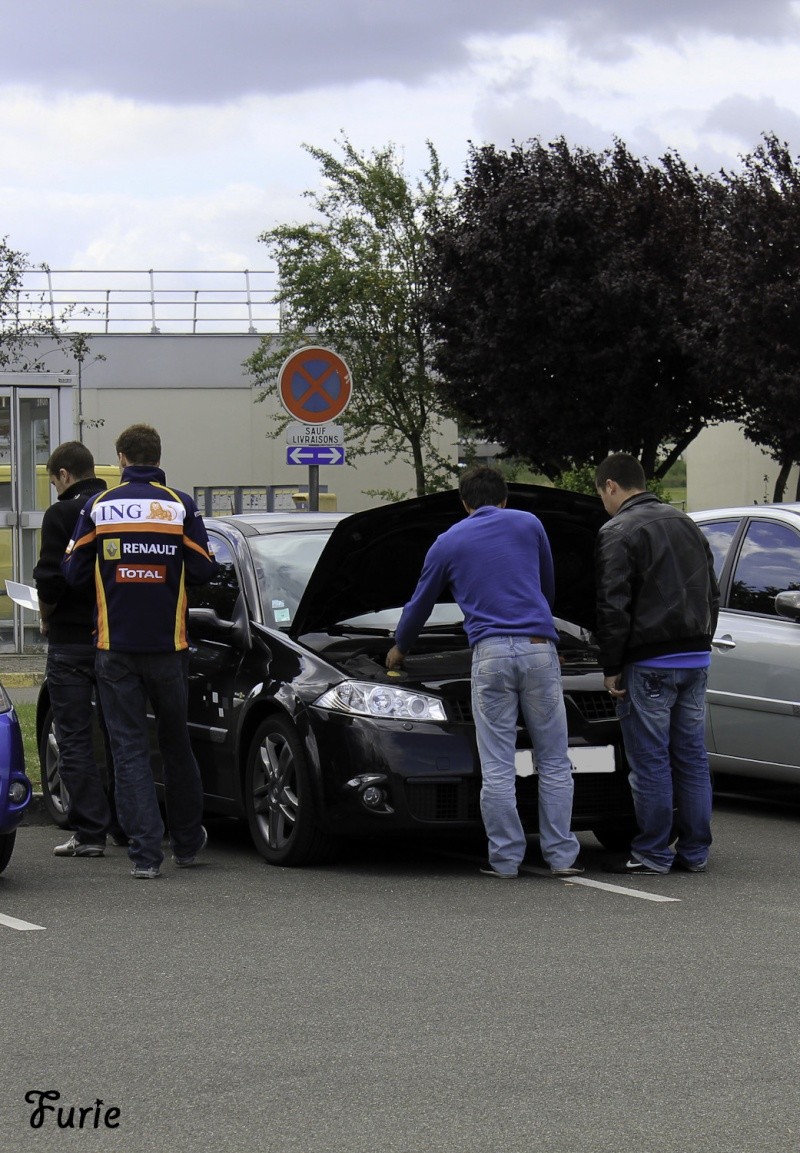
315, 454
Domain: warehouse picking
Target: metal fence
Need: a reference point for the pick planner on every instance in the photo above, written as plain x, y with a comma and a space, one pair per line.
151, 300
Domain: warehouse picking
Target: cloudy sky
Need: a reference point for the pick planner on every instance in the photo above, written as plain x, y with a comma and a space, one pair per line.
166, 134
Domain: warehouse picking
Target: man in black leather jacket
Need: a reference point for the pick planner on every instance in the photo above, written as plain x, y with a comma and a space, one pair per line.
657, 604
67, 619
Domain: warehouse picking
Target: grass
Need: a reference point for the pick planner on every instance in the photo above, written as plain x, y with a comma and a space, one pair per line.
27, 720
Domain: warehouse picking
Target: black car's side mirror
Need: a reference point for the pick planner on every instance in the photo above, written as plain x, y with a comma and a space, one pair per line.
788, 605
205, 624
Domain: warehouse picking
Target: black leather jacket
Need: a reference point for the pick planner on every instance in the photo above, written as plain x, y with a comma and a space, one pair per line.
72, 619
656, 589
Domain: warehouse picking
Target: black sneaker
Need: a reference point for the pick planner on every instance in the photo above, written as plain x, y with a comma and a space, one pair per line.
190, 861
681, 866
488, 871
633, 868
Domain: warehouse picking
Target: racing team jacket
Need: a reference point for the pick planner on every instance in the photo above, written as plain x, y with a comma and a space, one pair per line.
141, 543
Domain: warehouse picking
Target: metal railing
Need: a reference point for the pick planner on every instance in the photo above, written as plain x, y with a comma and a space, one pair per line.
150, 300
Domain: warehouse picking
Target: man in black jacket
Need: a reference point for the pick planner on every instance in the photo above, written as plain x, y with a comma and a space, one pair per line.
67, 617
657, 605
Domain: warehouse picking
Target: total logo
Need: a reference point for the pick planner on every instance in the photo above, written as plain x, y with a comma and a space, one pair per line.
141, 574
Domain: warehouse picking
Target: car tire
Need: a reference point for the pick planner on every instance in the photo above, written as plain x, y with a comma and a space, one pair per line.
616, 838
54, 791
279, 798
6, 848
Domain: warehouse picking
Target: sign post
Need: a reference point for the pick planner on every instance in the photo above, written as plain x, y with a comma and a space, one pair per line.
314, 386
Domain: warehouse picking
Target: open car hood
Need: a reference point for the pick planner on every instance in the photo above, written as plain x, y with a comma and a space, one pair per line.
373, 559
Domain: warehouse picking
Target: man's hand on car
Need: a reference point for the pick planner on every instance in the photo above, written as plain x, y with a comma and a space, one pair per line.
394, 658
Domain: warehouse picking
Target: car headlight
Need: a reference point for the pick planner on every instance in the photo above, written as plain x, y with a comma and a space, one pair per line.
362, 699
5, 701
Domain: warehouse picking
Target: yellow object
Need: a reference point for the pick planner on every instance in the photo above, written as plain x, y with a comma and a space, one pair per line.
327, 501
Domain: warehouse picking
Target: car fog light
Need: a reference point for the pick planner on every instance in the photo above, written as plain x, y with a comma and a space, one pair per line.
373, 798
17, 792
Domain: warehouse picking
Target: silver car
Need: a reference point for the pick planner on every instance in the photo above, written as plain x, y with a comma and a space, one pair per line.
753, 715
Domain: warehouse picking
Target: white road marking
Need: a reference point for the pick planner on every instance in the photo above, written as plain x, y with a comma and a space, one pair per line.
534, 870
618, 889
14, 923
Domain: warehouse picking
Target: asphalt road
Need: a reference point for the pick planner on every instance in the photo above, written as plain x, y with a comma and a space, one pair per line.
399, 1002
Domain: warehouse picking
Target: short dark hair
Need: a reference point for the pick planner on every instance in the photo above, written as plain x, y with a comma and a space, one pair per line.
481, 485
624, 469
72, 456
140, 443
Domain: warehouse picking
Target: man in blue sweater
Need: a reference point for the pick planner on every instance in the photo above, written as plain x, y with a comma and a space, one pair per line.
499, 567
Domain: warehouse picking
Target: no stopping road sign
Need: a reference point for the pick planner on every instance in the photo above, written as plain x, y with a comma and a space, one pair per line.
314, 385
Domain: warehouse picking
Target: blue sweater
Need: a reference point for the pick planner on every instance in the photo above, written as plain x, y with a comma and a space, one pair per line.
498, 564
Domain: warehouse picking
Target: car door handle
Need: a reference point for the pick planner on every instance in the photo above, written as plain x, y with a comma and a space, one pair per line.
725, 642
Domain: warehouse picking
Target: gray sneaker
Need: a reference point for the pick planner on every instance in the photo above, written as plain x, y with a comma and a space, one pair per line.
188, 862
573, 870
145, 872
75, 848
490, 871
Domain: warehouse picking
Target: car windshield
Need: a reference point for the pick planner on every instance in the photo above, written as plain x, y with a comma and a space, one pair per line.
283, 564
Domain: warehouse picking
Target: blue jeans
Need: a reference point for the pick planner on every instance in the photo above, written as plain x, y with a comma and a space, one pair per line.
663, 727
126, 682
70, 682
509, 675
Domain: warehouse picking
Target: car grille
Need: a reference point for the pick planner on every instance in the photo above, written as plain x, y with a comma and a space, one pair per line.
594, 706
597, 706
595, 794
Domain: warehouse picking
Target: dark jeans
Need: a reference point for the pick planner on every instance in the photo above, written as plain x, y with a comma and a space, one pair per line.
70, 681
663, 727
127, 681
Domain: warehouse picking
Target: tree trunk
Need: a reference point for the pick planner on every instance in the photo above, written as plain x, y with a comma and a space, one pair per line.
780, 483
419, 466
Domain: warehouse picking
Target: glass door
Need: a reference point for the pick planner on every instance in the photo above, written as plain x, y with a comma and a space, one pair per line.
7, 567
29, 430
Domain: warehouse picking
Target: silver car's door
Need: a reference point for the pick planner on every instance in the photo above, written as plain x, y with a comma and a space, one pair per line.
720, 535
754, 681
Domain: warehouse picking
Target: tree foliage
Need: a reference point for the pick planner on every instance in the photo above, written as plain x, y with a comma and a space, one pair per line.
560, 296
353, 281
755, 309
21, 329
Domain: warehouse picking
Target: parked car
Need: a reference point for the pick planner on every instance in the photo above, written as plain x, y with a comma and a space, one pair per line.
753, 714
295, 721
15, 788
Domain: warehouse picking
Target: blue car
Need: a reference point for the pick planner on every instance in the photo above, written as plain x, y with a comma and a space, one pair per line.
15, 788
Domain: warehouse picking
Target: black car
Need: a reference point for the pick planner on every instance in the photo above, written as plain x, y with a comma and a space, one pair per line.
297, 724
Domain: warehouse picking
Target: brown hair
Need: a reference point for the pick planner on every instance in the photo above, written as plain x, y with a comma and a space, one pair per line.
140, 443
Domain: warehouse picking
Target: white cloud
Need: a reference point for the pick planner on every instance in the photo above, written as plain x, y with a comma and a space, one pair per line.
96, 180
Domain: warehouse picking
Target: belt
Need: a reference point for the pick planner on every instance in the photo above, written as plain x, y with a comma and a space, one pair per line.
539, 640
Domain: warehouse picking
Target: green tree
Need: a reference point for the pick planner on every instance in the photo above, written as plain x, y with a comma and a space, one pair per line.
560, 295
756, 312
353, 282
22, 325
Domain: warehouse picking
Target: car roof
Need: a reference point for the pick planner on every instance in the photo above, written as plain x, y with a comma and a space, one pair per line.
792, 508
257, 523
